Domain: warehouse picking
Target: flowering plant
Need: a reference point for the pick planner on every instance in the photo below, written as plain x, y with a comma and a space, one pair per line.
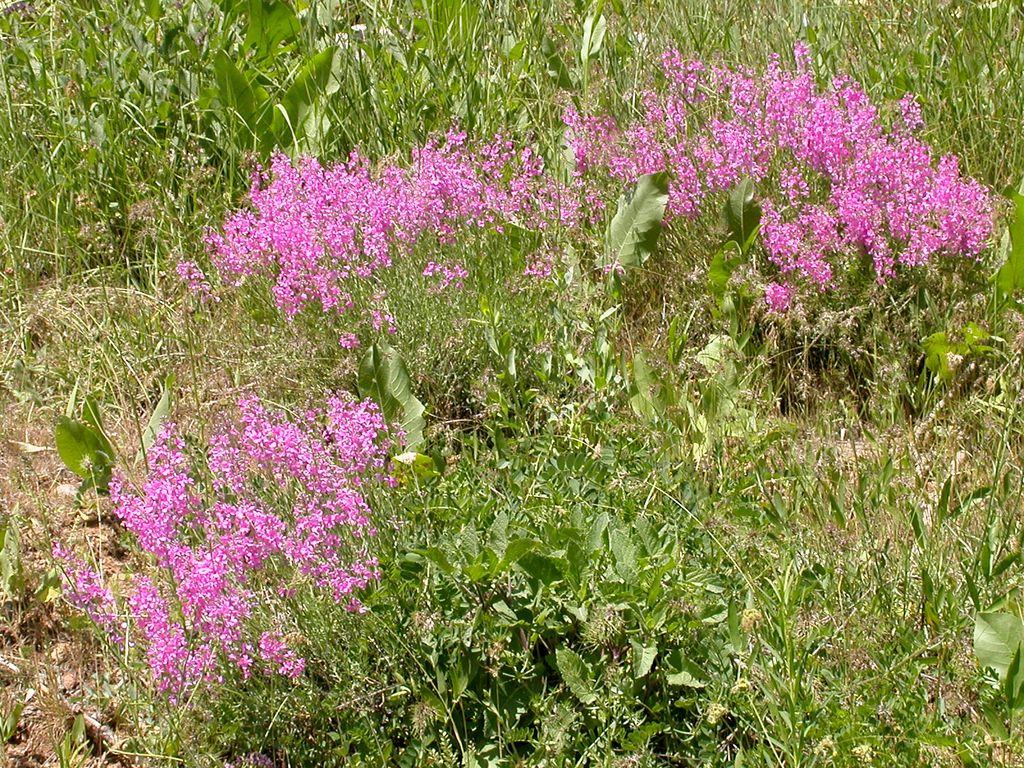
846, 186
318, 231
275, 507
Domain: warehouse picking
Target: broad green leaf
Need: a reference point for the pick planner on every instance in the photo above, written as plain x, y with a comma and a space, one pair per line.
1010, 276
272, 23
91, 412
721, 269
82, 448
719, 355
497, 534
515, 550
997, 636
384, 379
643, 658
440, 559
10, 561
160, 413
236, 93
682, 671
546, 570
742, 215
49, 587
1014, 680
633, 234
593, 37
411, 466
556, 67
307, 88
625, 555
462, 674
646, 402
577, 674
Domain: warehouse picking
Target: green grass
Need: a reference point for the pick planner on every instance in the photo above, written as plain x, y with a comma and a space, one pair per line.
772, 555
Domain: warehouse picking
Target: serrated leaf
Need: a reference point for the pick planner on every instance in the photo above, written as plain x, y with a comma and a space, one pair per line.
997, 636
633, 234
577, 674
624, 553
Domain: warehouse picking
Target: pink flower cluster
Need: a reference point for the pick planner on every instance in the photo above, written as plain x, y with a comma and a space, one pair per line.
197, 281
277, 506
86, 592
878, 192
449, 274
314, 230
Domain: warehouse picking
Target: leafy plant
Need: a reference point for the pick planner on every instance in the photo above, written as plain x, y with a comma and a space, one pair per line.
998, 639
85, 448
12, 580
384, 379
633, 232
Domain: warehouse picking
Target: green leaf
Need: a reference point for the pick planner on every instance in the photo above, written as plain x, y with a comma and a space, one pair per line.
546, 570
497, 534
461, 674
997, 636
643, 658
721, 269
412, 467
91, 413
236, 93
682, 671
384, 379
593, 37
82, 448
633, 234
307, 88
272, 23
646, 402
556, 67
624, 552
1010, 276
160, 413
49, 587
10, 561
577, 674
742, 215
1014, 679
515, 551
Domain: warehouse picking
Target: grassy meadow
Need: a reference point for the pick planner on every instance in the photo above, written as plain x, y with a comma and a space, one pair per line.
569, 383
